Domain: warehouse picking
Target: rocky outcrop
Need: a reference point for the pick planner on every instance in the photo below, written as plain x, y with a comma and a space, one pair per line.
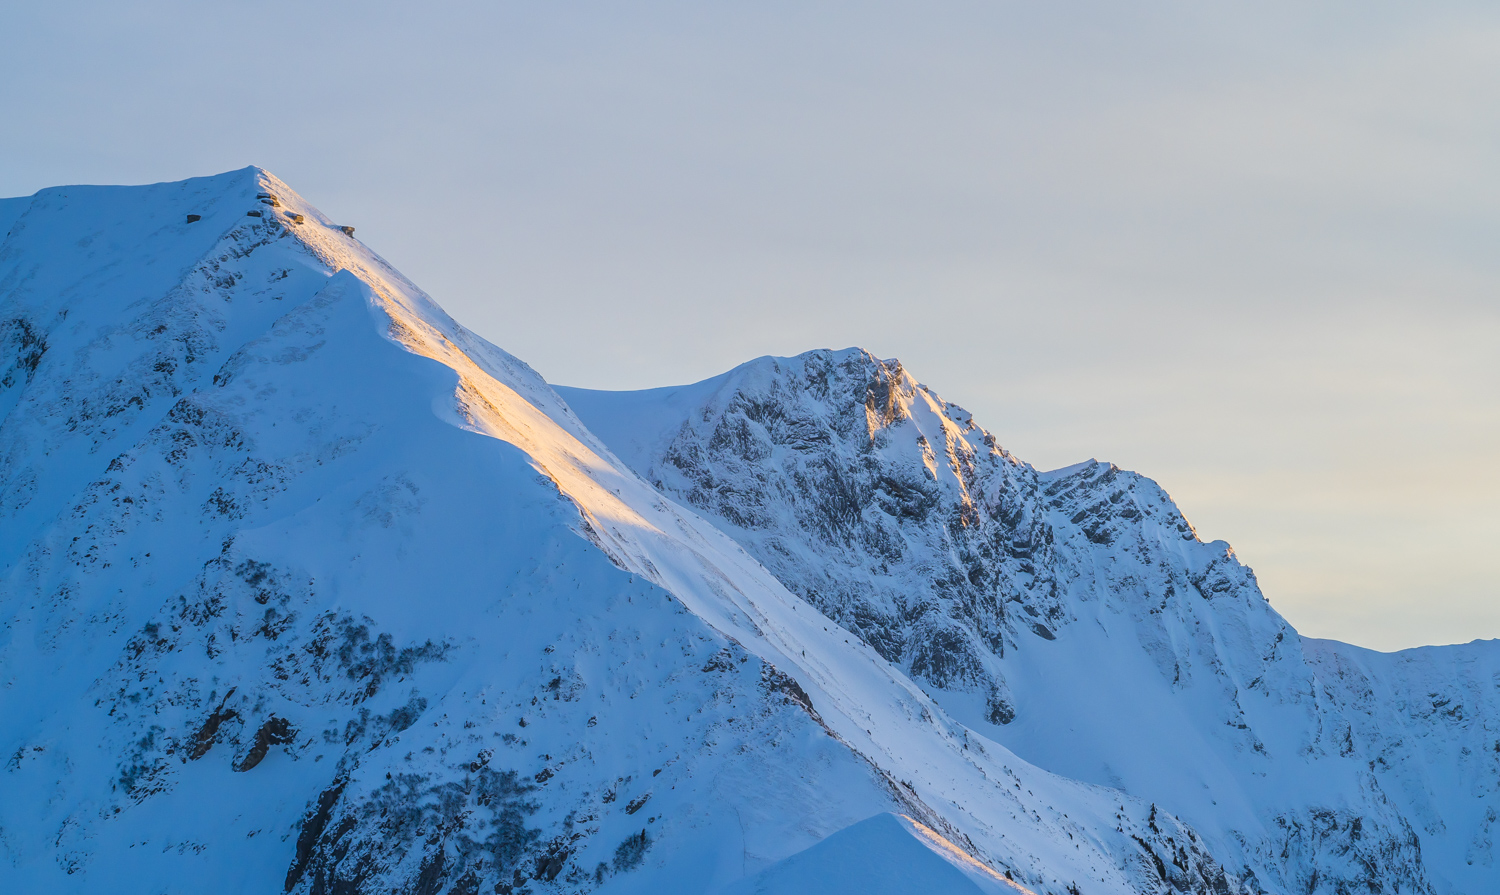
1018, 596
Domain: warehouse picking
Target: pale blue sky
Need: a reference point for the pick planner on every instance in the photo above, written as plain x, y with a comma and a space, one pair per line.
1251, 250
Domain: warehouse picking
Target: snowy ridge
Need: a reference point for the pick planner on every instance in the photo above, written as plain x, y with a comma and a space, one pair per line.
306, 588
1076, 617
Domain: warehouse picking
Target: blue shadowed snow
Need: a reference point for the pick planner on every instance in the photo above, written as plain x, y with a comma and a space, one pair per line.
885, 855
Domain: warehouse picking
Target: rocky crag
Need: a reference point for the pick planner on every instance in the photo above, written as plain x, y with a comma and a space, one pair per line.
1076, 617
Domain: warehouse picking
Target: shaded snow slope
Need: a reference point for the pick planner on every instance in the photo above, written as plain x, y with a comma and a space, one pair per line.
1076, 617
879, 856
306, 588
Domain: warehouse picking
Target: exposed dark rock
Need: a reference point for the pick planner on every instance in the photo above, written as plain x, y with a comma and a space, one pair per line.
313, 826
274, 732
775, 681
549, 865
207, 734
22, 341
473, 826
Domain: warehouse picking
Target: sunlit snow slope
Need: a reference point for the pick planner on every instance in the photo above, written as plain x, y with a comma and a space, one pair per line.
305, 588
1076, 617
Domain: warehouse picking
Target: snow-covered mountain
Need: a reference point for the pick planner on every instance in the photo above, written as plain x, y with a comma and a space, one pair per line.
306, 588
1075, 617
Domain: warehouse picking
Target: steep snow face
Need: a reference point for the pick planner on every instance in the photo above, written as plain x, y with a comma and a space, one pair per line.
306, 588
267, 584
1076, 617
899, 517
877, 857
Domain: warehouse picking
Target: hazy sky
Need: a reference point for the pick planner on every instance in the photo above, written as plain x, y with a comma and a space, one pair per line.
1250, 250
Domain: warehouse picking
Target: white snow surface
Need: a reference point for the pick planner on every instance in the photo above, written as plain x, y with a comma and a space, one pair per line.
306, 588
1076, 618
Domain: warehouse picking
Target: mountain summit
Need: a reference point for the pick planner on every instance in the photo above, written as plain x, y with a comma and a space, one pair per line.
1076, 618
308, 589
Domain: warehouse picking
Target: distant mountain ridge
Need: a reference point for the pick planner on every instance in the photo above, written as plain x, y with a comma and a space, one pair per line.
306, 588
1075, 617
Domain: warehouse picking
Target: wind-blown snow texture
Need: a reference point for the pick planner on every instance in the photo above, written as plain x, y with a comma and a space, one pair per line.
1076, 618
305, 588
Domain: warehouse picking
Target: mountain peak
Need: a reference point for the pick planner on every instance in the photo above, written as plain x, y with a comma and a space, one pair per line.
1074, 615
304, 586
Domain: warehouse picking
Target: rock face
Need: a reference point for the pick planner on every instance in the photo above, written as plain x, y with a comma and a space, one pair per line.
900, 518
305, 588
1076, 617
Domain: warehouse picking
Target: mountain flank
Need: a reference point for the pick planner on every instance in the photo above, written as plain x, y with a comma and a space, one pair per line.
308, 589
